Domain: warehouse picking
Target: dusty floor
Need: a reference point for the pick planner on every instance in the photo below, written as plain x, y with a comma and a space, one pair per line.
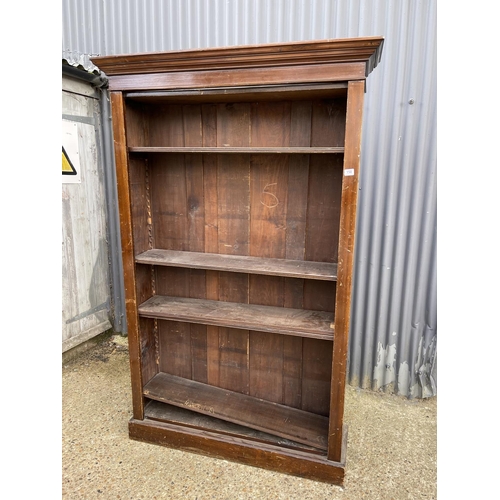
391, 451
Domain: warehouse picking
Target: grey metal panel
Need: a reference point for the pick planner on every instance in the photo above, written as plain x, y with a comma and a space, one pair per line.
394, 316
393, 333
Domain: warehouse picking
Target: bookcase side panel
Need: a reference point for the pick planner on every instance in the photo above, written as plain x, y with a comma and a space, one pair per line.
126, 230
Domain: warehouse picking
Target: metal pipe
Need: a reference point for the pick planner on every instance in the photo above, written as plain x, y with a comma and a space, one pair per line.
98, 81
118, 288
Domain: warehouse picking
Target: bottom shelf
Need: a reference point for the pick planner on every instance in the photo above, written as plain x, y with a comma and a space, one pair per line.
283, 421
162, 412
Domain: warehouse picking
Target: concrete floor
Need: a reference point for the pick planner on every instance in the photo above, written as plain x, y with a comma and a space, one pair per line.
391, 452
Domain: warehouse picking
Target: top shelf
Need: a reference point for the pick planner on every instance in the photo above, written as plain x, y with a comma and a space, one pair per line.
229, 149
259, 93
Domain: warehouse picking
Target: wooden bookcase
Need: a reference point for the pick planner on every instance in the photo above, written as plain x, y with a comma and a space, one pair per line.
237, 179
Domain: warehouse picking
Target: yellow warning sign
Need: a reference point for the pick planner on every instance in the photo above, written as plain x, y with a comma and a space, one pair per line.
71, 168
67, 167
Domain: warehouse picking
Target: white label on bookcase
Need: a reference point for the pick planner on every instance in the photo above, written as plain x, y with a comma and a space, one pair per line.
348, 172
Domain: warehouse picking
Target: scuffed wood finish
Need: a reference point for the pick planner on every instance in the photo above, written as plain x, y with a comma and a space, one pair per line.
244, 451
367, 50
126, 228
238, 175
240, 263
329, 90
156, 410
286, 321
233, 77
289, 423
354, 118
250, 150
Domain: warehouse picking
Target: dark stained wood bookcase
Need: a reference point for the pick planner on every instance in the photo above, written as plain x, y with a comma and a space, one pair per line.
237, 177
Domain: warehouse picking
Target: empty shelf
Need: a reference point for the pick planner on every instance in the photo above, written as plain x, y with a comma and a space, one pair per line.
240, 264
287, 321
289, 423
229, 149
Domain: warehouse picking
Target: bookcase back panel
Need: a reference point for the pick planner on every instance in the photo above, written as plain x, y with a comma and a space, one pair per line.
279, 206
140, 208
262, 364
277, 368
245, 288
238, 124
149, 346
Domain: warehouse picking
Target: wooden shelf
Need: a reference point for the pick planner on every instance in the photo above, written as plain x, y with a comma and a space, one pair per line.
286, 321
240, 264
163, 412
263, 93
287, 422
229, 149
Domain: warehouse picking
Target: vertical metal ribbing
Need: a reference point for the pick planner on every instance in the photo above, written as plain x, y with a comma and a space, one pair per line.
394, 287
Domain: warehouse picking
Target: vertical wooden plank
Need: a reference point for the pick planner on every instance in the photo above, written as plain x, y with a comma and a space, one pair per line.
149, 349
197, 284
292, 348
270, 124
298, 187
209, 133
233, 179
268, 201
168, 179
175, 348
213, 353
182, 345
328, 123
323, 212
121, 159
169, 202
316, 372
194, 203
266, 366
138, 180
137, 131
319, 295
233, 342
298, 181
233, 188
197, 290
317, 354
195, 206
233, 124
210, 197
266, 349
292, 371
195, 210
174, 336
234, 203
169, 207
166, 125
354, 117
177, 193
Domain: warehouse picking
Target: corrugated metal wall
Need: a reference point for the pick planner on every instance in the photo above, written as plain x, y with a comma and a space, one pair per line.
393, 333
